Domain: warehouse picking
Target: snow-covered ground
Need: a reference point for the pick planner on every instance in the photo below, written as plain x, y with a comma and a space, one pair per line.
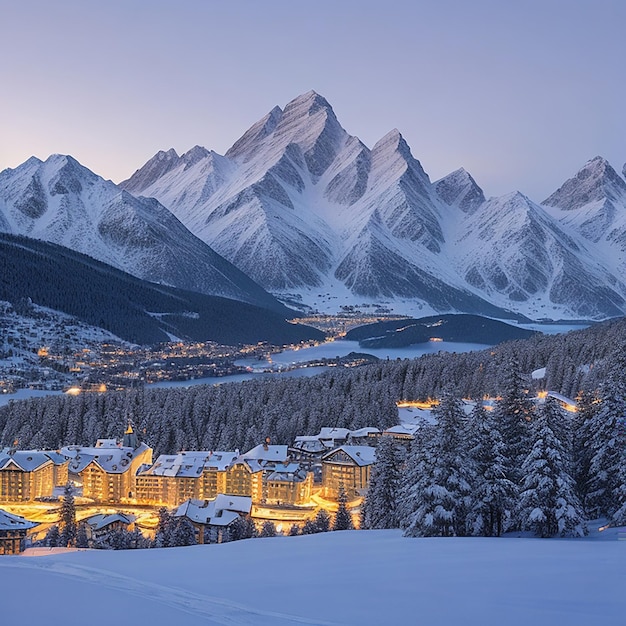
351, 577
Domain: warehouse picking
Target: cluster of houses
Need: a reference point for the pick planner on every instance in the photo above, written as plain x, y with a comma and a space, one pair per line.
214, 486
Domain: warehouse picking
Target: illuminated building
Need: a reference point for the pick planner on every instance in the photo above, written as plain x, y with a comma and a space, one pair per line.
13, 530
26, 475
107, 470
212, 518
348, 467
175, 478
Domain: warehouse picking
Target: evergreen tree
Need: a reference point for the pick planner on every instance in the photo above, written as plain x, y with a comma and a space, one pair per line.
379, 509
242, 528
68, 517
582, 437
322, 521
82, 540
608, 444
294, 531
52, 537
441, 494
268, 529
343, 519
163, 534
310, 527
493, 493
183, 533
514, 412
548, 504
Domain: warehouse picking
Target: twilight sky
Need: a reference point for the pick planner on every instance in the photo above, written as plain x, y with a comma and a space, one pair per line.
519, 93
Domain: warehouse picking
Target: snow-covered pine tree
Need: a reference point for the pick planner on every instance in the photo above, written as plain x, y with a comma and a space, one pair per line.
268, 529
493, 492
68, 517
82, 541
607, 447
416, 468
322, 521
183, 533
163, 534
514, 412
343, 519
441, 495
52, 537
582, 437
242, 528
548, 504
379, 509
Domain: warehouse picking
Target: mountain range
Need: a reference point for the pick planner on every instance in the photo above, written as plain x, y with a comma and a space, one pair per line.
314, 216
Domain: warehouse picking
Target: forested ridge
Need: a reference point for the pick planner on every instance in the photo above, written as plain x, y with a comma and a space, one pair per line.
240, 415
133, 309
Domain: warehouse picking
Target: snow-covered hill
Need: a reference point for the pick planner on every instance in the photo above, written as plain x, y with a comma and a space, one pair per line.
312, 213
364, 578
62, 202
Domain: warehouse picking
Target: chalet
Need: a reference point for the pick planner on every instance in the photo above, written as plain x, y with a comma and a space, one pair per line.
102, 524
212, 518
348, 467
26, 475
13, 530
175, 478
107, 470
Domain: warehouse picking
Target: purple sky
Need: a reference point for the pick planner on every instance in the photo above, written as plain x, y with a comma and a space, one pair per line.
520, 93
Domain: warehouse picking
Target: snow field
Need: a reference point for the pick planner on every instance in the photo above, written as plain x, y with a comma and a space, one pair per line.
350, 577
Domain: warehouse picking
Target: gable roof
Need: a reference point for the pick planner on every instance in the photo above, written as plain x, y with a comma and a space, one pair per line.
222, 511
25, 460
361, 455
97, 522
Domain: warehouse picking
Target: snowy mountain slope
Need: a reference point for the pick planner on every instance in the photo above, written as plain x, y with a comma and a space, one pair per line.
525, 257
309, 212
593, 204
62, 202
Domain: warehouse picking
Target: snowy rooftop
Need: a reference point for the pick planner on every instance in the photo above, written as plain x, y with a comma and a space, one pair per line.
103, 520
115, 460
190, 464
402, 429
222, 511
361, 455
26, 460
265, 452
8, 521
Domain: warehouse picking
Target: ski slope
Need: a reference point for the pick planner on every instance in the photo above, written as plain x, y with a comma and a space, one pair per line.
351, 577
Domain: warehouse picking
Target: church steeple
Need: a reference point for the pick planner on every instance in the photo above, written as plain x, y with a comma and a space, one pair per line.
130, 439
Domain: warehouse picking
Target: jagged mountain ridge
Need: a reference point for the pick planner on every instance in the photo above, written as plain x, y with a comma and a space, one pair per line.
592, 204
62, 202
307, 209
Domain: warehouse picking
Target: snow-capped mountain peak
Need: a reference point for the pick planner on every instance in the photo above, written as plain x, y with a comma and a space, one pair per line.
305, 208
61, 201
460, 190
595, 181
